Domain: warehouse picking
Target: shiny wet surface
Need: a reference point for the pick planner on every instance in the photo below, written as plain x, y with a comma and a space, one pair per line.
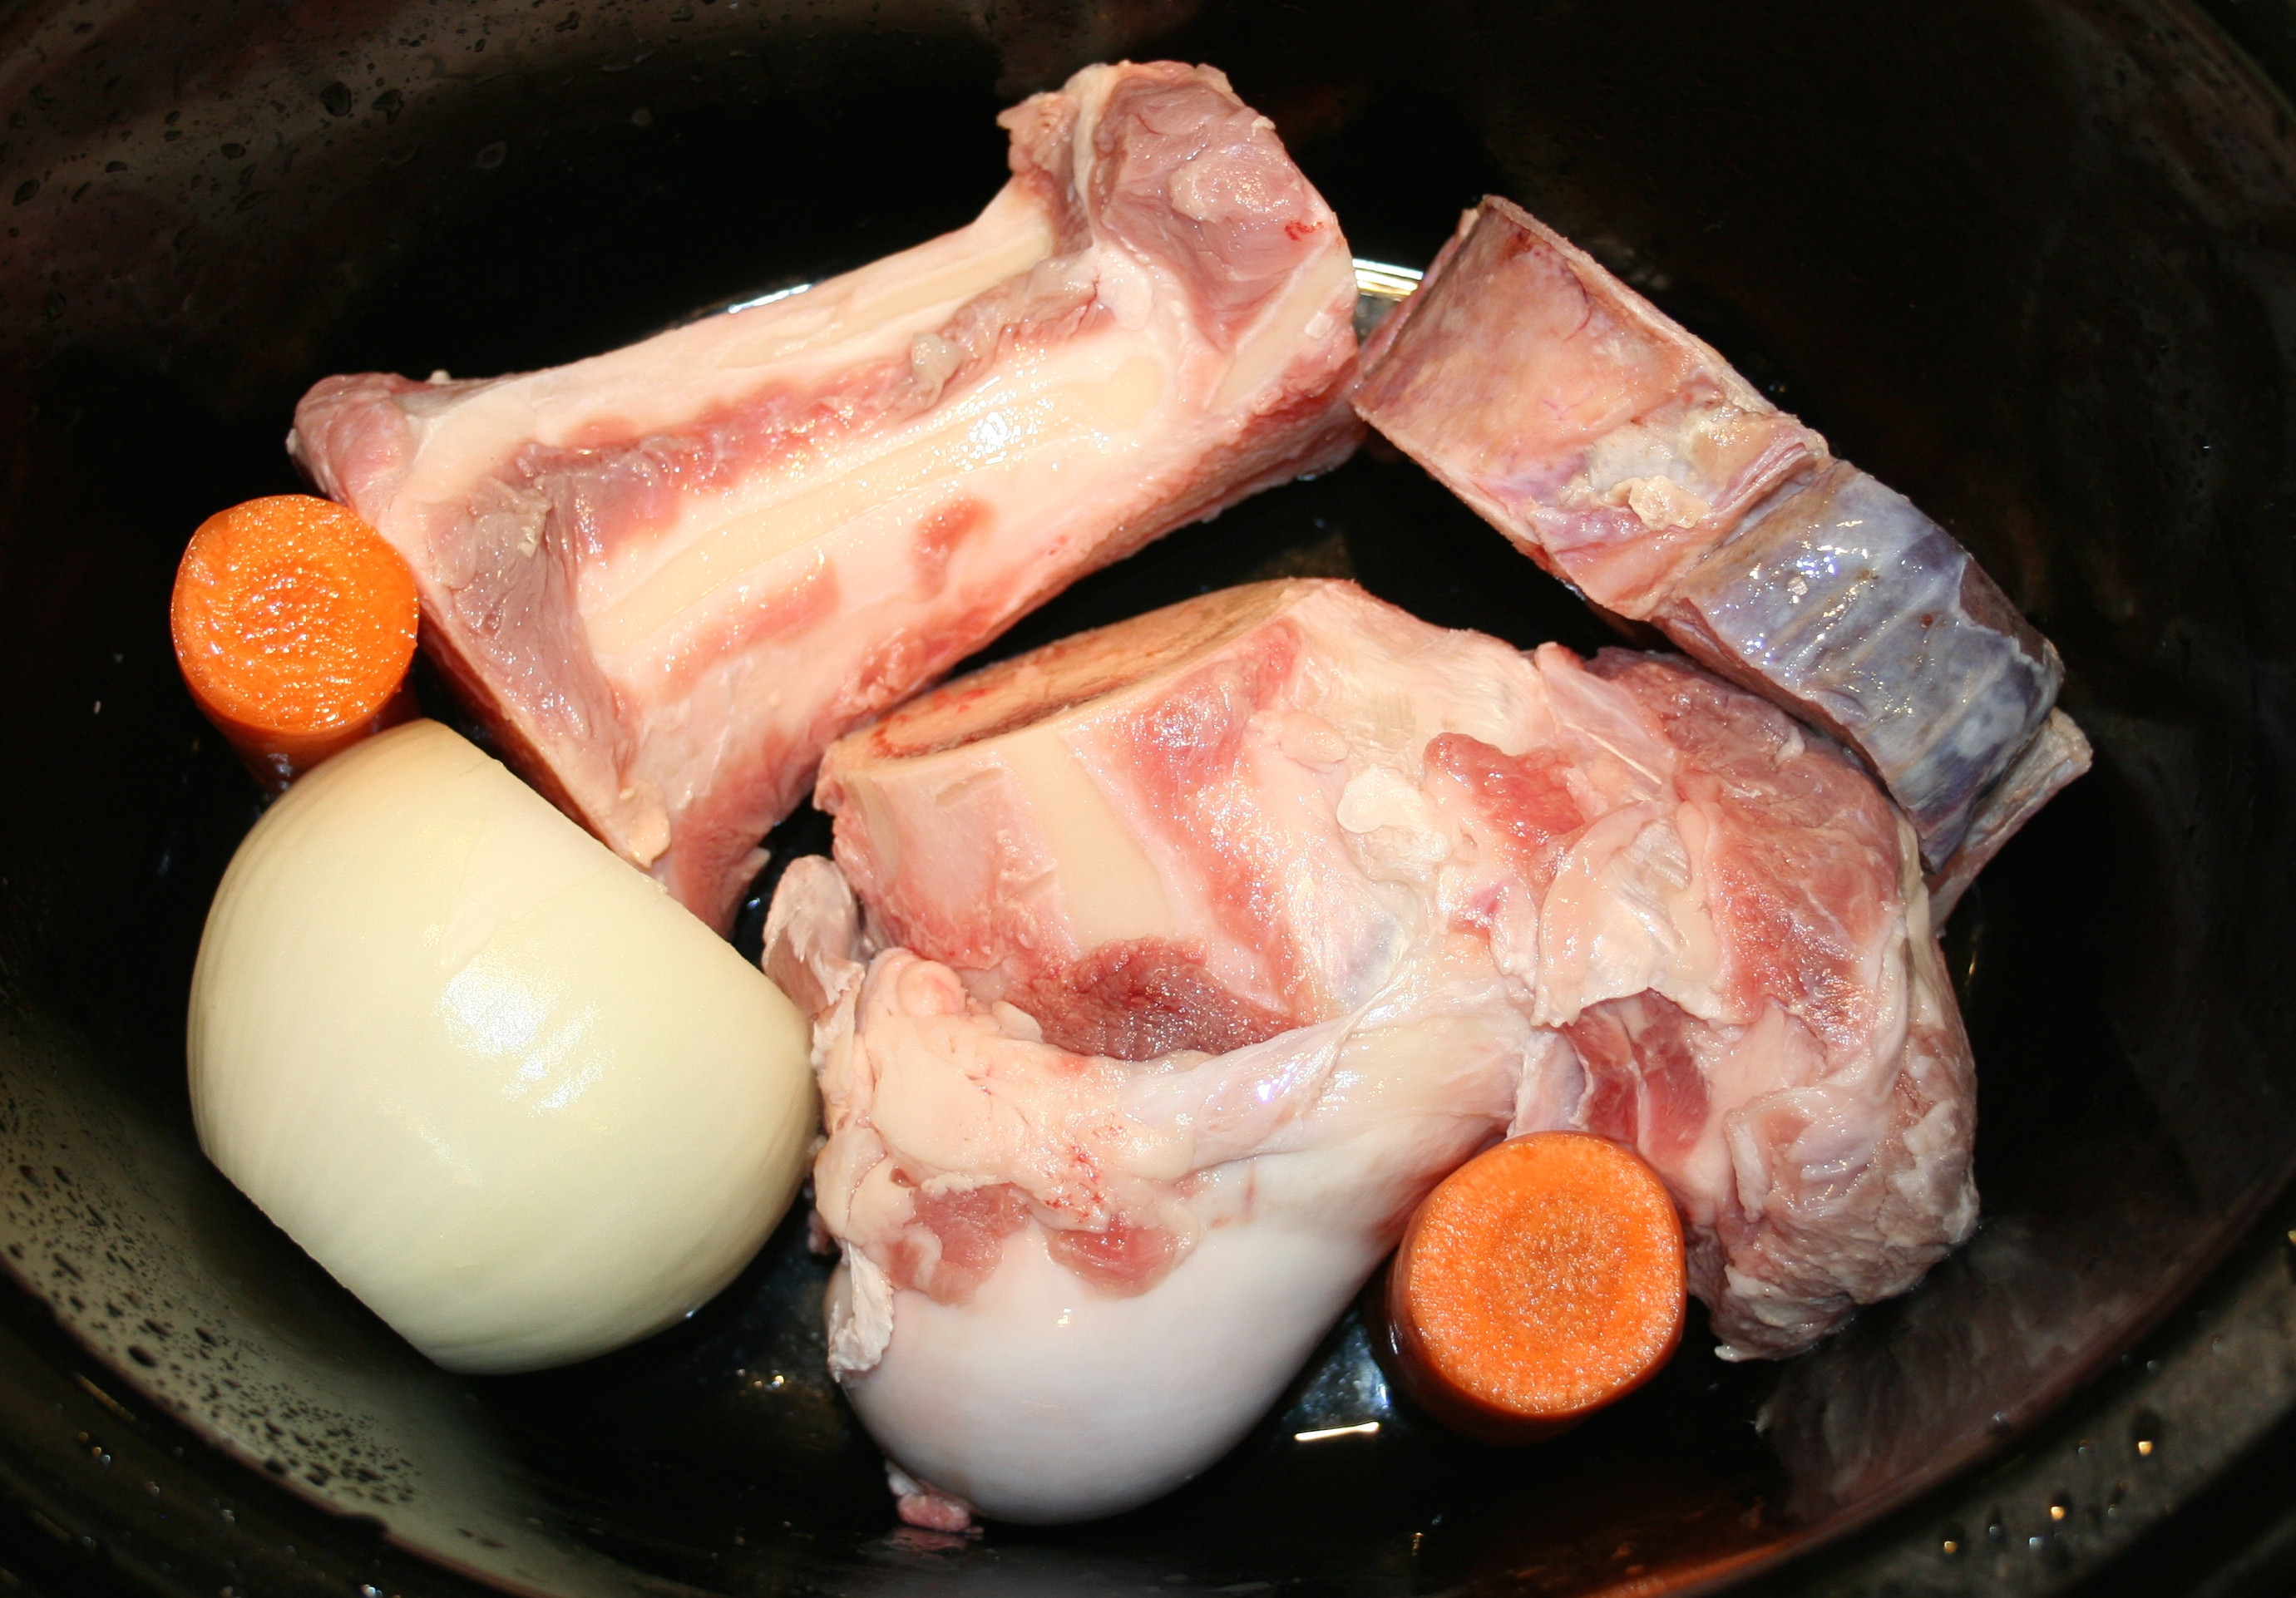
2030, 264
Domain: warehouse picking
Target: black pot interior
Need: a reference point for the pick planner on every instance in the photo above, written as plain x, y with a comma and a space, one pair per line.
2028, 260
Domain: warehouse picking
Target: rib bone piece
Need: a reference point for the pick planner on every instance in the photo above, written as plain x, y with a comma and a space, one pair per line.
1628, 458
669, 575
1197, 947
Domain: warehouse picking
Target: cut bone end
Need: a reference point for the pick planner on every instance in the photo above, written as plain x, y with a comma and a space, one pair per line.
1085, 828
2058, 753
1019, 694
1017, 785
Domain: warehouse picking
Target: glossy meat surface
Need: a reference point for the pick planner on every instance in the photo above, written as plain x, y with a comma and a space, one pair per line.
1865, 618
1141, 835
1627, 457
1809, 1095
669, 575
1396, 890
1070, 1281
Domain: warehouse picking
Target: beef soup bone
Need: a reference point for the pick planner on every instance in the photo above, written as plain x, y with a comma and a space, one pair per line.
1628, 459
1141, 835
1189, 952
1071, 1282
669, 575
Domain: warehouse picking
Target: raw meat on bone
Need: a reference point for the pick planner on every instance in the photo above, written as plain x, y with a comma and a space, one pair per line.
1248, 812
669, 575
1808, 1093
1139, 835
1628, 458
1070, 1283
1199, 947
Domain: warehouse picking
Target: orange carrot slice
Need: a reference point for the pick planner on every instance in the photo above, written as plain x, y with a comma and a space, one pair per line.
295, 625
1539, 1282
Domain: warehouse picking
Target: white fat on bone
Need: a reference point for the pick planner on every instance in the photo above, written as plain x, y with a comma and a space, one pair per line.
1203, 945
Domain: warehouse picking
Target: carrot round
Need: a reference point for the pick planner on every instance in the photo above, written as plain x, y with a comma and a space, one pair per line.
1539, 1282
295, 625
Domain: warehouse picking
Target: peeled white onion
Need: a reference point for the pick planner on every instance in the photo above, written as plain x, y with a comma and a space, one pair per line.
487, 1073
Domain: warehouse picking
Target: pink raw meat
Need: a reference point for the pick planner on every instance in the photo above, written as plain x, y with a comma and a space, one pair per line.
1628, 458
1206, 943
1138, 834
669, 575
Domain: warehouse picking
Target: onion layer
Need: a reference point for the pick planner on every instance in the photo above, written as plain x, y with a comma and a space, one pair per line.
484, 1072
